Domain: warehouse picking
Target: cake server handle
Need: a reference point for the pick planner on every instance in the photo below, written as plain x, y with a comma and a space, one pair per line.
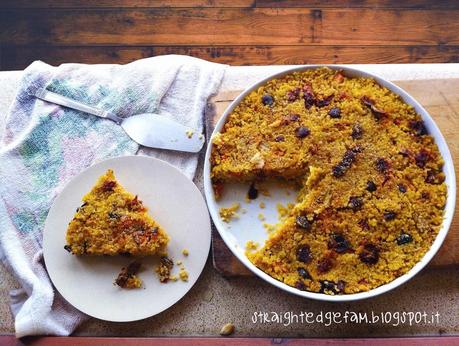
60, 100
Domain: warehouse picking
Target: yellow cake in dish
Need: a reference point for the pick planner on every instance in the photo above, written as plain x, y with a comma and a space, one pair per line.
373, 190
112, 221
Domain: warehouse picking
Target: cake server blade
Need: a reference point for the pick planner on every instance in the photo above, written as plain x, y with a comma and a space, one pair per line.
148, 129
157, 131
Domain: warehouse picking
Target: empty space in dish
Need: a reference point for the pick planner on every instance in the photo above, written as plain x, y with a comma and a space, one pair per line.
249, 222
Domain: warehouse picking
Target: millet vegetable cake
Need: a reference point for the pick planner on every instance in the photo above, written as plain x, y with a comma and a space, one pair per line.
112, 221
373, 190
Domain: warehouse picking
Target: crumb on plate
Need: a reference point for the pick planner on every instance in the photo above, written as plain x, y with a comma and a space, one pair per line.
228, 213
183, 274
251, 245
164, 269
189, 133
127, 278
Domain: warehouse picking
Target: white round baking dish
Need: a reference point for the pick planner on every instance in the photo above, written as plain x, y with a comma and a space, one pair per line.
236, 247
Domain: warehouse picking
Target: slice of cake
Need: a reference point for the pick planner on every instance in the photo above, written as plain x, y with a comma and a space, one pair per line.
112, 221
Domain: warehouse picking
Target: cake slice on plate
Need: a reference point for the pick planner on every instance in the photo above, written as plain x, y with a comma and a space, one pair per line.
112, 221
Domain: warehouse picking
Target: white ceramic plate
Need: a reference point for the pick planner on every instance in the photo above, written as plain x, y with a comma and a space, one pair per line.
87, 282
248, 226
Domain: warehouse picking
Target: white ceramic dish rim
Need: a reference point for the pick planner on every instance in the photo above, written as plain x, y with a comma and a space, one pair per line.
448, 170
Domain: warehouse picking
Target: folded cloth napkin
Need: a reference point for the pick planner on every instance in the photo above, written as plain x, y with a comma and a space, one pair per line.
45, 145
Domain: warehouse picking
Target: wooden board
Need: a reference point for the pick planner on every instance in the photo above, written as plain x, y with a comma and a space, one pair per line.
441, 100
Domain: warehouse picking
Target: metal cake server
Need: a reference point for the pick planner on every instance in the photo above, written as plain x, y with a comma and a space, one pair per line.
147, 129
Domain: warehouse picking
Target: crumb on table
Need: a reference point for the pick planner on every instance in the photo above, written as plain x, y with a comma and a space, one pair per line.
227, 329
185, 252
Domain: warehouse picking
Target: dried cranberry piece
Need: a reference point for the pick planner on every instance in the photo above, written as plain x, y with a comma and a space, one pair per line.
303, 222
404, 152
108, 186
330, 287
279, 138
371, 186
367, 101
390, 215
369, 254
340, 286
304, 273
300, 285
364, 224
293, 95
434, 177
346, 162
253, 192
338, 243
402, 188
324, 102
304, 254
377, 113
382, 165
338, 171
293, 117
339, 77
404, 238
334, 113
355, 203
308, 96
324, 265
327, 287
302, 132
127, 272
421, 158
418, 127
267, 100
